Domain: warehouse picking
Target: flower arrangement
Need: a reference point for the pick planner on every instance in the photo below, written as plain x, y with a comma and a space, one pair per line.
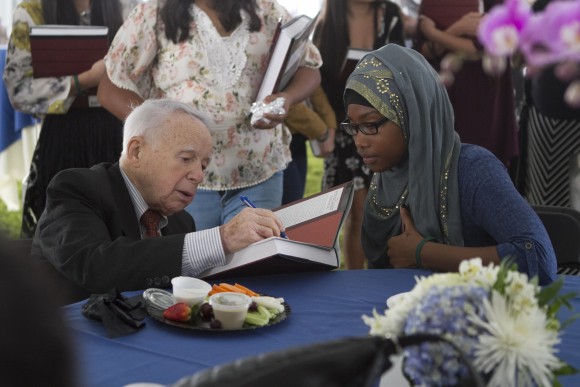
504, 323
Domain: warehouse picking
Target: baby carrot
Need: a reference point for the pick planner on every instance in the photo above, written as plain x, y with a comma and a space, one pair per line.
249, 292
216, 289
231, 288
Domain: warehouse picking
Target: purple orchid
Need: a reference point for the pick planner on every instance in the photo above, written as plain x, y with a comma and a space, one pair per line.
500, 30
552, 35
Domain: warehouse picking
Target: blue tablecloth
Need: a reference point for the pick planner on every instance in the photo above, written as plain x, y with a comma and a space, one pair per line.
11, 121
325, 306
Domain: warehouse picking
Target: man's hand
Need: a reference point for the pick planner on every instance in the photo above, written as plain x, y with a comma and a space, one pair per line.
249, 226
402, 247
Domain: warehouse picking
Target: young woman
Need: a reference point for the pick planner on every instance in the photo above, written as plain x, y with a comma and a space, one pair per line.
212, 54
433, 201
72, 134
361, 24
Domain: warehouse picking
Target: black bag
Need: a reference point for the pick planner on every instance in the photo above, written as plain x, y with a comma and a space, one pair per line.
357, 362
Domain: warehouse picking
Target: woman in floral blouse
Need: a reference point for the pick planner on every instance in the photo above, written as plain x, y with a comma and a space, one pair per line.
71, 136
212, 56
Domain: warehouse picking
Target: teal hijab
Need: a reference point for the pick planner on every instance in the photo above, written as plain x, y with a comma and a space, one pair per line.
403, 87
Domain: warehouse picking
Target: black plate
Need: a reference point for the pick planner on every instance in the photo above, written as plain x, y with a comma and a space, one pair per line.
157, 300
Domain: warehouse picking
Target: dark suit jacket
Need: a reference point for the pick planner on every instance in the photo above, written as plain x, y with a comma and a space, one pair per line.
90, 233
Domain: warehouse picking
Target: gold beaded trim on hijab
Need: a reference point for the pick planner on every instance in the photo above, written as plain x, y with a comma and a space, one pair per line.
443, 210
393, 110
384, 211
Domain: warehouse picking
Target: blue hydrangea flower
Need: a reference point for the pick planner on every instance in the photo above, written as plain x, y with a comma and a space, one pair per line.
443, 311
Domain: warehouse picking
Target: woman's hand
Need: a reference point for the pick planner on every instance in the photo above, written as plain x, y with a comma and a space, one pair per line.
275, 119
327, 146
94, 74
91, 78
402, 247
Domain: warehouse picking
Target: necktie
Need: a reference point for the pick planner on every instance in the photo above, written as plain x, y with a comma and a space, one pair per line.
150, 219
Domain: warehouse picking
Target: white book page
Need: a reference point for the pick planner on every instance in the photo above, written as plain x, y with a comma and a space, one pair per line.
310, 209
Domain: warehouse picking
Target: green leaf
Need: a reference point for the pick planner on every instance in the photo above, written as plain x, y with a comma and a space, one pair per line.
566, 369
508, 264
549, 292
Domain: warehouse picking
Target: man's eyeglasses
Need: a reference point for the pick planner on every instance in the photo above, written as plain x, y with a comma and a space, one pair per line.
364, 128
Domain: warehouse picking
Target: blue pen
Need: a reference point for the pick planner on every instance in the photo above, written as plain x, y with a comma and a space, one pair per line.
249, 203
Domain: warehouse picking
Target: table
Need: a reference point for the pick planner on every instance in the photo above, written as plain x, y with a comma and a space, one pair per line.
325, 306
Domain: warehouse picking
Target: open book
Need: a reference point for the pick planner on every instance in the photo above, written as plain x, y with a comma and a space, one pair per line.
59, 50
312, 225
288, 47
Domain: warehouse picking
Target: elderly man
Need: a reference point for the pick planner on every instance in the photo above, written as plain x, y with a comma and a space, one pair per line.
100, 225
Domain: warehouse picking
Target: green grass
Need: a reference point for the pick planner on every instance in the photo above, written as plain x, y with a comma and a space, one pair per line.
314, 174
10, 221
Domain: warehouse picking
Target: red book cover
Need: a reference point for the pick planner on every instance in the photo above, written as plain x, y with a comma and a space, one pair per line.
312, 224
66, 50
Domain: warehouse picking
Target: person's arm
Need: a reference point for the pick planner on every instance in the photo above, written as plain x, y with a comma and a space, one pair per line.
321, 105
441, 41
306, 121
300, 87
118, 101
495, 206
433, 255
128, 82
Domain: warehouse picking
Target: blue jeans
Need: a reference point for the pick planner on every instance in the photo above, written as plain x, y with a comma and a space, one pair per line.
295, 172
214, 208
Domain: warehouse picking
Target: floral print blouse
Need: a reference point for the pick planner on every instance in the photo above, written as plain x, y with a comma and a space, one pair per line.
35, 95
220, 76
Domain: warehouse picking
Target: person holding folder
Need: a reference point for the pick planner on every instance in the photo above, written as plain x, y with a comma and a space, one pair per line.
70, 137
213, 54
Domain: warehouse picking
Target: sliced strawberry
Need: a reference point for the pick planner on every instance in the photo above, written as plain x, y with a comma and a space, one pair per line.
178, 312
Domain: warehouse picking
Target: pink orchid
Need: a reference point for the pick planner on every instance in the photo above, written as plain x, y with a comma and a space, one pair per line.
500, 30
552, 35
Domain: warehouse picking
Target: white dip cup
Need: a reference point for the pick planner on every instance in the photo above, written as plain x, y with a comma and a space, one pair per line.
230, 308
189, 290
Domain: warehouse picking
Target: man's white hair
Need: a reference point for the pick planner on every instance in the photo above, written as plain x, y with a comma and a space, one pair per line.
147, 120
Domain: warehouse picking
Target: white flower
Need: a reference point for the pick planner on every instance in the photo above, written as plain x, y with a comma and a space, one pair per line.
522, 293
470, 268
517, 349
391, 323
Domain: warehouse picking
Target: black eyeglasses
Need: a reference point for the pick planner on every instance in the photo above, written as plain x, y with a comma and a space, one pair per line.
365, 128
